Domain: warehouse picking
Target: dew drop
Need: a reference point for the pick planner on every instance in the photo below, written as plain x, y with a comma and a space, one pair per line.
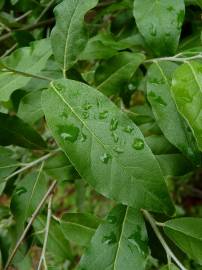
58, 86
153, 30
105, 158
83, 137
68, 133
87, 106
138, 144
112, 219
85, 115
21, 190
131, 87
110, 239
113, 124
118, 150
115, 137
128, 129
103, 115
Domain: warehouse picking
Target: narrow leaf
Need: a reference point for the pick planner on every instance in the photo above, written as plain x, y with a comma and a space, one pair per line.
68, 37
119, 243
169, 120
104, 145
160, 23
187, 93
15, 131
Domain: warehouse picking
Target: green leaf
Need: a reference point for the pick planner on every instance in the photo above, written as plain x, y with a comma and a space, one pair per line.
119, 243
57, 246
15, 131
28, 59
68, 37
105, 146
79, 227
60, 168
160, 22
169, 120
30, 107
112, 75
186, 233
27, 195
187, 93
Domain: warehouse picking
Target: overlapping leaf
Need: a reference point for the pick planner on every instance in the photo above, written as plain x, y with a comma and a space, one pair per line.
105, 146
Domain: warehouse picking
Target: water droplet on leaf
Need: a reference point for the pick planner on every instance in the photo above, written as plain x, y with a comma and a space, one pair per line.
105, 158
115, 137
128, 129
103, 115
110, 239
113, 124
87, 106
69, 132
138, 144
85, 115
118, 150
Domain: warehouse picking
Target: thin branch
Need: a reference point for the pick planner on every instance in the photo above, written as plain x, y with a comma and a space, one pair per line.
7, 52
43, 253
175, 58
162, 240
25, 74
31, 164
44, 11
29, 28
34, 215
23, 16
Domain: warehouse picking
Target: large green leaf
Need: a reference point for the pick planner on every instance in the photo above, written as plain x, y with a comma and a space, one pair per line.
27, 195
119, 243
105, 146
112, 75
15, 131
57, 246
186, 233
169, 120
187, 92
79, 227
28, 59
160, 21
68, 37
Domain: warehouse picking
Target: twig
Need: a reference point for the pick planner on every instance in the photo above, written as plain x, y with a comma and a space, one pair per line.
43, 253
34, 215
175, 58
44, 11
162, 240
31, 164
29, 28
23, 16
7, 52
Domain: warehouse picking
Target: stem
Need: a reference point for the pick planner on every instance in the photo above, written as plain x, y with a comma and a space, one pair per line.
31, 164
162, 240
34, 215
23, 16
175, 58
43, 253
25, 74
44, 11
9, 50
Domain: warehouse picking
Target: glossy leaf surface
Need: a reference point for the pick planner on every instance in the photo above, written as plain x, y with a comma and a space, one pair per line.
87, 124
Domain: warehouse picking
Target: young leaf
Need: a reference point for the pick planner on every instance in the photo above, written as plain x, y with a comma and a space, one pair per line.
169, 120
57, 246
119, 243
30, 107
15, 131
68, 37
79, 227
112, 75
186, 233
28, 59
160, 23
187, 93
105, 146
